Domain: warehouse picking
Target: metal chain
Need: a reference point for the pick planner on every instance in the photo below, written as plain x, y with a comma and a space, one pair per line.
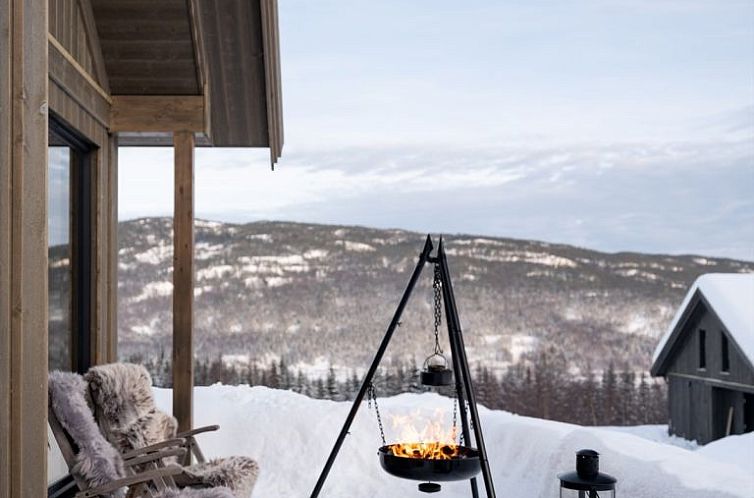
437, 290
372, 396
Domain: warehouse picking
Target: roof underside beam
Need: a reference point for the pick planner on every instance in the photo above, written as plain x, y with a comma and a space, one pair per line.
158, 113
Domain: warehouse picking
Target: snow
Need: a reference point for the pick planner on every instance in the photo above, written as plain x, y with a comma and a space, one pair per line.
205, 250
217, 271
355, 246
155, 255
656, 433
537, 258
291, 436
735, 450
315, 254
154, 289
731, 296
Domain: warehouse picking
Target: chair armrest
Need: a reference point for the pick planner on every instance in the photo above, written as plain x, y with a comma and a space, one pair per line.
141, 478
198, 430
156, 455
168, 443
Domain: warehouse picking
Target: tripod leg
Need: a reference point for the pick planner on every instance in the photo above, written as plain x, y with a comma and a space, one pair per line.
464, 365
373, 368
457, 374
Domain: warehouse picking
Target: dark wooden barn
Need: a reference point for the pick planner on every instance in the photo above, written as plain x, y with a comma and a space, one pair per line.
707, 359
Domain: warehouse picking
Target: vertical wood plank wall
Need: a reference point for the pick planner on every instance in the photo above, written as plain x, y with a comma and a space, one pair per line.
73, 100
25, 96
183, 280
23, 248
5, 236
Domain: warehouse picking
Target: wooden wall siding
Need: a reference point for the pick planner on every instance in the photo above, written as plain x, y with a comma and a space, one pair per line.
23, 248
104, 276
81, 95
684, 358
71, 23
74, 97
6, 155
147, 46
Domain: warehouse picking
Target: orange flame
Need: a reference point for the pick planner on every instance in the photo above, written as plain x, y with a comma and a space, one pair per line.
430, 442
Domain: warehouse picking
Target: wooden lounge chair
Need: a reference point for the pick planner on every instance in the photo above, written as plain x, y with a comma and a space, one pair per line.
128, 417
98, 469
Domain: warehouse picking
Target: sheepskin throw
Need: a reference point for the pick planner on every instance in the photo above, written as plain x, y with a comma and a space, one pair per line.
96, 461
198, 493
237, 473
127, 414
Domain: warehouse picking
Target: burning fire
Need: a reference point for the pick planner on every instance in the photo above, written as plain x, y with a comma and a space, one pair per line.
430, 442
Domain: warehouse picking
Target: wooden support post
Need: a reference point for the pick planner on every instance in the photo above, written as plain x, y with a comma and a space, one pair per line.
23, 248
183, 280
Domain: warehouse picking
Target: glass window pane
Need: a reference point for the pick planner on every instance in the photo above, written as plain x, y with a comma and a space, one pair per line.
59, 253
59, 281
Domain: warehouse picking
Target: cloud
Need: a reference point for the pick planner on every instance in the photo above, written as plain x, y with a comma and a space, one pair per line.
669, 197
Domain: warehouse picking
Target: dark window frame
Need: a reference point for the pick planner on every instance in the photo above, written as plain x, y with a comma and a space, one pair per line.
82, 188
702, 349
82, 185
724, 353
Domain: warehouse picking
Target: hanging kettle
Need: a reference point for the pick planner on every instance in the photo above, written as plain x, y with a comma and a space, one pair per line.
435, 371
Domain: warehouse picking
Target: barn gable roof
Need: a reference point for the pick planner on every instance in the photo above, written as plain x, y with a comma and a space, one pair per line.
731, 297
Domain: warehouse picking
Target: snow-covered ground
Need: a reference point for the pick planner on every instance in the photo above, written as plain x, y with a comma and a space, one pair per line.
291, 436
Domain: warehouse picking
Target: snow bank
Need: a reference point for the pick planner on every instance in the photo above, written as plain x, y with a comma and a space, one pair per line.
291, 436
735, 450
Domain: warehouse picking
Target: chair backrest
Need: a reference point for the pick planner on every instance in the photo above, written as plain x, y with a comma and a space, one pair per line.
91, 459
124, 406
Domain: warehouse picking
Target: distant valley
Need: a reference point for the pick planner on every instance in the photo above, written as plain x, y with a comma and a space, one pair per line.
320, 296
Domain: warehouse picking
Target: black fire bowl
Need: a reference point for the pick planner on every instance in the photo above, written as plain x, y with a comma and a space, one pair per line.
464, 466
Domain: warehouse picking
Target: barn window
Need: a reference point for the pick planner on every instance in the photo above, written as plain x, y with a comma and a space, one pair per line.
702, 348
724, 350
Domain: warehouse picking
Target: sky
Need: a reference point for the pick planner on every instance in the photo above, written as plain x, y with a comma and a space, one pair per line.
616, 125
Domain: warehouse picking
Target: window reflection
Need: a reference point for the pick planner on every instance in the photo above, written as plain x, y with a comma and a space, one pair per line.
59, 254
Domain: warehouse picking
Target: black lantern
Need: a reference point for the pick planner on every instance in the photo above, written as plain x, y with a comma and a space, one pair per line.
587, 481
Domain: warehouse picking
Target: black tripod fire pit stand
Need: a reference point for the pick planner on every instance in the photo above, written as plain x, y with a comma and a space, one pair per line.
469, 460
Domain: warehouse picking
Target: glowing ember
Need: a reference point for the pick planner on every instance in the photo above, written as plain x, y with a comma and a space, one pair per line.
426, 451
431, 442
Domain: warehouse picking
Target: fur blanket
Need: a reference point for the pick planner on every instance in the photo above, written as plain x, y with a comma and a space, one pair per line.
124, 406
96, 462
126, 412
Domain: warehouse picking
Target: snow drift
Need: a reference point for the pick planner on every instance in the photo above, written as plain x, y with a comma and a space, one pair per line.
291, 436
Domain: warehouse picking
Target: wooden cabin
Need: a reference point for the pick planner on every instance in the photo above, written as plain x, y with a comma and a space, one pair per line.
707, 359
78, 79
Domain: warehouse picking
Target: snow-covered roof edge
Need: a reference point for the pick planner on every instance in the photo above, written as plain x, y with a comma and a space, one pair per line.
731, 297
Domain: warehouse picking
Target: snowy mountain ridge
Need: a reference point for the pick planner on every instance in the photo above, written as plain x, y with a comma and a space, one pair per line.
320, 295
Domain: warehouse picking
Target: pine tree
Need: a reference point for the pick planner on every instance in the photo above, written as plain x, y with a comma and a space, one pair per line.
610, 397
331, 389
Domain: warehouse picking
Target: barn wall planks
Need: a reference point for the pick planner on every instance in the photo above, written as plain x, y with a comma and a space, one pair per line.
705, 402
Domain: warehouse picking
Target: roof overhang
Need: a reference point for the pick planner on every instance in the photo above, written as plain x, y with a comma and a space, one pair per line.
167, 53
